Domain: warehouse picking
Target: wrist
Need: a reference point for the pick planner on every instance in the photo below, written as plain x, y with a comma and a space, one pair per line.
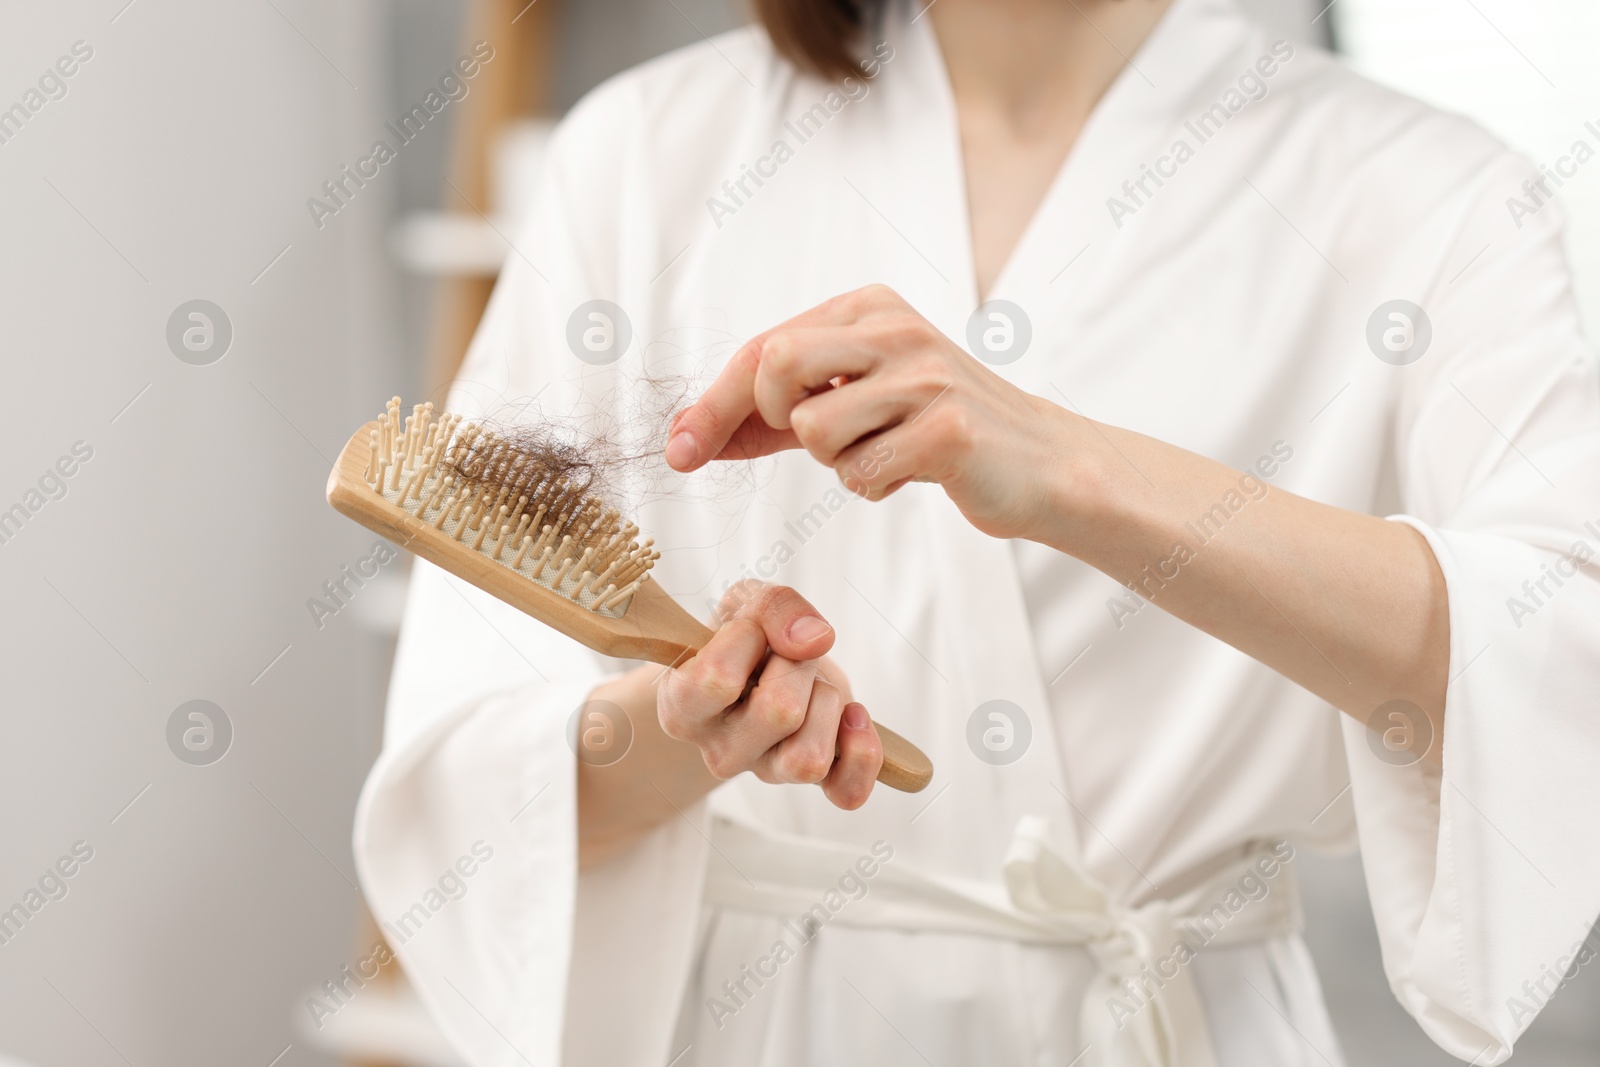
632, 689
1082, 482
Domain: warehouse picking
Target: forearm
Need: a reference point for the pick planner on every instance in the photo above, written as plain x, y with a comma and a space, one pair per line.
1350, 606
658, 779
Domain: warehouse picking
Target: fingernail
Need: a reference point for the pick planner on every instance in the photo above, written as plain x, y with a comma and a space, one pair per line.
808, 628
855, 716
682, 450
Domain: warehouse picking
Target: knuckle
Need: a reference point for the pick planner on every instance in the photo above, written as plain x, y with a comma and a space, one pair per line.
953, 427
783, 714
906, 333
713, 425
778, 355
858, 464
853, 302
750, 356
808, 768
817, 762
805, 423
878, 294
855, 481
737, 597
718, 678
720, 762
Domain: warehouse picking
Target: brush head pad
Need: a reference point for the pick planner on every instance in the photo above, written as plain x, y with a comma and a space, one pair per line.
517, 496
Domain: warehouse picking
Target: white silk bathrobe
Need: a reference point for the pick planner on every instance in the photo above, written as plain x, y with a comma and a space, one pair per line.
1030, 912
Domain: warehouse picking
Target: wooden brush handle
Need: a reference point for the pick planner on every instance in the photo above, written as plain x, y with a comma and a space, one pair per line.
905, 766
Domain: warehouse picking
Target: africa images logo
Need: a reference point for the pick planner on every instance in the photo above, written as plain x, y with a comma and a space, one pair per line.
736, 191
1250, 88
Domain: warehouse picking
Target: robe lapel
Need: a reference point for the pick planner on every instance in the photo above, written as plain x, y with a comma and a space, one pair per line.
986, 621
1065, 263
994, 662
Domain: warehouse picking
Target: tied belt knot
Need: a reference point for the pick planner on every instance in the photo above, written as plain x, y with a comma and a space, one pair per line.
1141, 1008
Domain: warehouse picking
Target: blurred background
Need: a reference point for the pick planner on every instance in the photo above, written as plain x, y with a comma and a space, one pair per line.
182, 730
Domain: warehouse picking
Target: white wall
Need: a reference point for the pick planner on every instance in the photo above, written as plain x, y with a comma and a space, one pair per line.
179, 562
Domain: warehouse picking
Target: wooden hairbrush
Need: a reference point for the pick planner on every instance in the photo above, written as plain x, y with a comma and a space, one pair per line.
529, 533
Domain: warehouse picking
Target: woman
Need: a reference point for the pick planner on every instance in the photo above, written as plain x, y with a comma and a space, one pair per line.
1172, 313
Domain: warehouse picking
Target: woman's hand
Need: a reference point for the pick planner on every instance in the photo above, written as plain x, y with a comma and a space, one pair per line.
870, 388
798, 725
692, 729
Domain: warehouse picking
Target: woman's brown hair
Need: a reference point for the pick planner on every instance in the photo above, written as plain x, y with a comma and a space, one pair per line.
817, 35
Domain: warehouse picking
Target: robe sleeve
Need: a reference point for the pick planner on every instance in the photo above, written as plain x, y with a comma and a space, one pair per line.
522, 960
1482, 880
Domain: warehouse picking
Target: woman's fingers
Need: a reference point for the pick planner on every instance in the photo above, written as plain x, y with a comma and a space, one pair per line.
832, 672
793, 628
830, 422
725, 422
775, 709
700, 431
696, 700
790, 727
794, 364
923, 451
752, 439
855, 771
693, 697
805, 756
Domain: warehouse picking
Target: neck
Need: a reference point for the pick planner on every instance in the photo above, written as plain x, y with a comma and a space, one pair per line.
1031, 63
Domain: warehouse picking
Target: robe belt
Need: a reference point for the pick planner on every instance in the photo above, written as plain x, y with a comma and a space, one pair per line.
1141, 1009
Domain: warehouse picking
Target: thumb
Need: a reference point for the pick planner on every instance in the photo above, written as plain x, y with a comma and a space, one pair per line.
794, 629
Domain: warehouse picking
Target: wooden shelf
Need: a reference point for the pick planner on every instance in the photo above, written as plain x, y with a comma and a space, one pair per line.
447, 244
465, 244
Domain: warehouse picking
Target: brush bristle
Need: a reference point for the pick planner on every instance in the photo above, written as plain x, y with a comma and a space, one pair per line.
516, 502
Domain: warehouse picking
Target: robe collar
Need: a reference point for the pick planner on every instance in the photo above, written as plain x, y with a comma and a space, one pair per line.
1069, 244
1176, 72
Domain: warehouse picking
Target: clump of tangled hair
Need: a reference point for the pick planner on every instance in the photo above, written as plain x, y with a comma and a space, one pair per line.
595, 457
532, 468
588, 463
524, 460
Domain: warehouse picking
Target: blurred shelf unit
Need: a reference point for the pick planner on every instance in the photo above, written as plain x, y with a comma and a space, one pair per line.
492, 177
384, 1024
465, 243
